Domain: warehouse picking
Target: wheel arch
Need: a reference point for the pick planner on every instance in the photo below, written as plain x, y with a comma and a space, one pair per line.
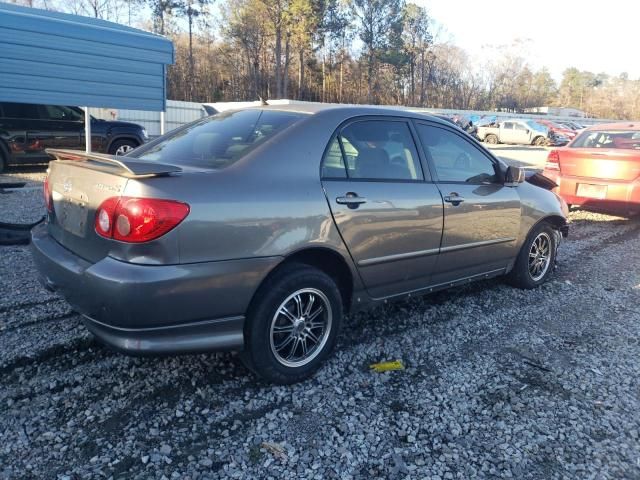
326, 260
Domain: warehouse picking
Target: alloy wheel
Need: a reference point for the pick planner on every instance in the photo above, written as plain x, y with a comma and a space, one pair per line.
123, 149
300, 327
540, 256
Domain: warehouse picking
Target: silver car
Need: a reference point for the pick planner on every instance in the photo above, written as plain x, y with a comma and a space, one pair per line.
258, 230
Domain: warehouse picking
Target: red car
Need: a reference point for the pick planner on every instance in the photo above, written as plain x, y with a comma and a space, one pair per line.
600, 168
558, 129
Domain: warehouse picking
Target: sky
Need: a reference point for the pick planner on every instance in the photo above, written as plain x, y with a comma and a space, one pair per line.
594, 35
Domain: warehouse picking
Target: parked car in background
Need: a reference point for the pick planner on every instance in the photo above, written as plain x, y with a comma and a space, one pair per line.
558, 129
600, 168
572, 125
258, 229
26, 130
519, 132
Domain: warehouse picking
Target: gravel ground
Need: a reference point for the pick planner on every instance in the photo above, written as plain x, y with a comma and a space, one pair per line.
500, 383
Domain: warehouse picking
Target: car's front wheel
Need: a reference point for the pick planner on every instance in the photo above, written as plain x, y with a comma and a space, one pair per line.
536, 259
292, 324
122, 147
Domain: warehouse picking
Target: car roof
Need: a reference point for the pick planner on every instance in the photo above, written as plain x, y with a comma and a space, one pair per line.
616, 126
353, 110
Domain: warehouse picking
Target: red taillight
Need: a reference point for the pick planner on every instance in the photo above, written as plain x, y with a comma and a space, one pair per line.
46, 190
137, 220
105, 215
553, 161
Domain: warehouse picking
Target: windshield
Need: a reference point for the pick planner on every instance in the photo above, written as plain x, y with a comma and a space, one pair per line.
629, 139
218, 141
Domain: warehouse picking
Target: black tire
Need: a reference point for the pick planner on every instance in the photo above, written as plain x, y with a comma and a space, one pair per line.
524, 273
124, 143
261, 354
3, 161
491, 139
539, 141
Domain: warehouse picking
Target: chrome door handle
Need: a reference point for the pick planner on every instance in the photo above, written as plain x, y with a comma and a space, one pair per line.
454, 199
352, 200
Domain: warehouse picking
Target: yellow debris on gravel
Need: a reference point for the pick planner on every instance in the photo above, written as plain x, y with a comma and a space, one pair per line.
387, 366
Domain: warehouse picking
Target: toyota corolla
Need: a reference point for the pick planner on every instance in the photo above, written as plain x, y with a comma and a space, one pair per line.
258, 230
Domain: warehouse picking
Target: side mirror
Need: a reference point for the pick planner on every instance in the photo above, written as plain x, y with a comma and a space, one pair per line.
514, 176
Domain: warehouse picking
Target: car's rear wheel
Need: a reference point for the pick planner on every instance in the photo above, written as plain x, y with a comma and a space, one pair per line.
492, 139
536, 259
292, 324
122, 147
3, 161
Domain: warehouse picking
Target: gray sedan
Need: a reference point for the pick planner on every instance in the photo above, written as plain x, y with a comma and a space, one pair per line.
258, 230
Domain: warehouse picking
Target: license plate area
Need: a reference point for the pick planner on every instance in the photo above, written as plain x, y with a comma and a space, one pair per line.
592, 191
71, 212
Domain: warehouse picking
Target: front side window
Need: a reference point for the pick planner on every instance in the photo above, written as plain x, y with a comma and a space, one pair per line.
380, 150
219, 140
519, 126
625, 139
454, 158
57, 112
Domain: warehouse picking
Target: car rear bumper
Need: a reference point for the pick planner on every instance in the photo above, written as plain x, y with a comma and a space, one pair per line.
151, 308
617, 194
202, 336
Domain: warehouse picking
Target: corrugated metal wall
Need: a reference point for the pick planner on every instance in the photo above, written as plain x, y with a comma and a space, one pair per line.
177, 114
61, 59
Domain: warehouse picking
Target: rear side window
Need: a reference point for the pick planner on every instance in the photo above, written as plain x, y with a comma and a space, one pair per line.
626, 139
220, 140
374, 150
20, 110
333, 162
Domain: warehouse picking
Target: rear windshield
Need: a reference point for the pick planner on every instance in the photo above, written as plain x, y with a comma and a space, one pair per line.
629, 139
218, 141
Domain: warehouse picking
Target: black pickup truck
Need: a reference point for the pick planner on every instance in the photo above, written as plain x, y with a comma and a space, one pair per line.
27, 129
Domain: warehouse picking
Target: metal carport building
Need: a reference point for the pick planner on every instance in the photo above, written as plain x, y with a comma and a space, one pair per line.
61, 59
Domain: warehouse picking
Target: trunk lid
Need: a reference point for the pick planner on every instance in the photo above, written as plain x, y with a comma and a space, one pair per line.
600, 163
79, 183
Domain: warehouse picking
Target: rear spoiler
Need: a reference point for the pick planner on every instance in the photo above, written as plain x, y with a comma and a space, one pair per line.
131, 167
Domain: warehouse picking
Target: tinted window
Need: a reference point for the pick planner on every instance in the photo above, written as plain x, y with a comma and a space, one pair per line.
507, 125
333, 162
220, 140
454, 158
518, 126
55, 112
629, 139
20, 110
376, 149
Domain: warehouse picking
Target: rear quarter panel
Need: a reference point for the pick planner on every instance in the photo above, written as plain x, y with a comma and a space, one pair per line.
269, 204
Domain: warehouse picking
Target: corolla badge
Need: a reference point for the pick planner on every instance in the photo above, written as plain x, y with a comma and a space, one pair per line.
67, 186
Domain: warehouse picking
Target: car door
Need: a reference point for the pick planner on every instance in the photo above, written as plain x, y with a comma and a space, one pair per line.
26, 135
388, 212
521, 134
481, 215
507, 133
65, 124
